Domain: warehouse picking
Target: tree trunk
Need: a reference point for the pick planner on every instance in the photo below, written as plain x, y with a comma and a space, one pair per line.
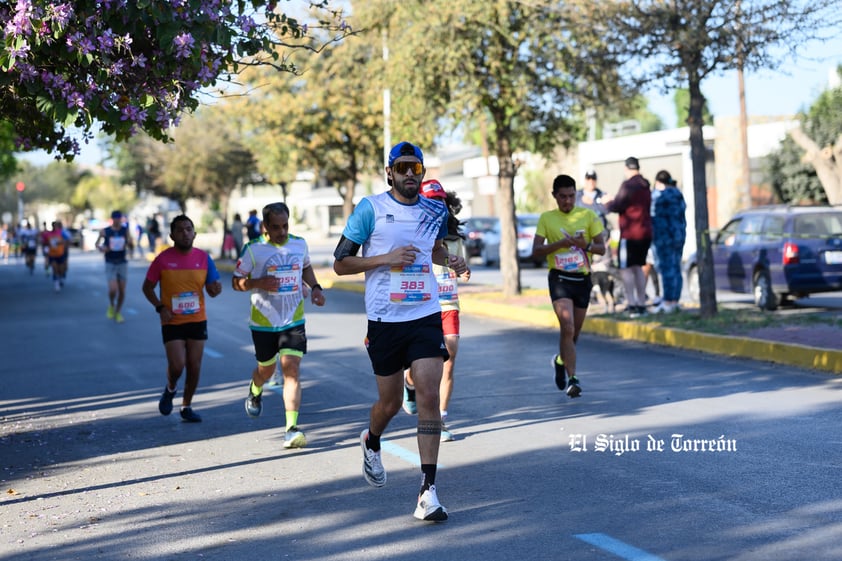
224, 205
826, 161
348, 199
698, 156
509, 264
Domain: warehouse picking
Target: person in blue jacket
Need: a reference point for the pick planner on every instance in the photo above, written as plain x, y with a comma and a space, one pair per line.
669, 230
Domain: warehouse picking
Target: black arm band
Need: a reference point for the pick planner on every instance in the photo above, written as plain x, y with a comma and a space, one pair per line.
315, 286
344, 248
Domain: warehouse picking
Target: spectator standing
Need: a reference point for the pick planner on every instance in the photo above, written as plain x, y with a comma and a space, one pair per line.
5, 242
592, 197
153, 233
139, 237
276, 268
448, 291
632, 203
115, 241
401, 237
568, 236
669, 230
237, 233
185, 273
253, 229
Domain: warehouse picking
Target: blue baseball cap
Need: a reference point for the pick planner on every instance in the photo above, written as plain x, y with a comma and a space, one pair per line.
404, 149
116, 214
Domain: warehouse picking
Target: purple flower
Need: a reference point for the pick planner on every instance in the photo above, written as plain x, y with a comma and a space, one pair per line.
183, 45
60, 13
139, 61
245, 23
75, 100
106, 40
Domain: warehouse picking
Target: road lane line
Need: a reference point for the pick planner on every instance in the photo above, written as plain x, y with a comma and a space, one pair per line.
212, 353
618, 548
385, 445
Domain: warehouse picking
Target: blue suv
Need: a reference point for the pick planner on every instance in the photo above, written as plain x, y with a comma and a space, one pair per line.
776, 253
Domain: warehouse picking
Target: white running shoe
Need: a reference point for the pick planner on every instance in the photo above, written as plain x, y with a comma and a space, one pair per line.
429, 507
446, 435
294, 438
373, 469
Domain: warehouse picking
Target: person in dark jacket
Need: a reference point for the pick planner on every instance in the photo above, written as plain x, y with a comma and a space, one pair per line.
669, 230
632, 203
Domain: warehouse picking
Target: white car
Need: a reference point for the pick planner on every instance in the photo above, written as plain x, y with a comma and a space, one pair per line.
526, 226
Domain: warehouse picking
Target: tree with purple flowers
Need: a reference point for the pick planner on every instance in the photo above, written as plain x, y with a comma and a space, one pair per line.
132, 65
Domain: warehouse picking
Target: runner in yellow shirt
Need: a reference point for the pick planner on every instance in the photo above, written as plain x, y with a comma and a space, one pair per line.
568, 237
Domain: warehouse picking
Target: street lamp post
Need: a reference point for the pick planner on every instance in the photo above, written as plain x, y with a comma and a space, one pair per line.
20, 186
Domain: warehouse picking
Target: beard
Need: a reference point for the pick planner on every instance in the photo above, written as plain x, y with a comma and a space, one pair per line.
408, 191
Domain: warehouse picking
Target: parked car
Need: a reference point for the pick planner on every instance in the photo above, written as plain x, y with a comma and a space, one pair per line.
776, 253
475, 229
526, 226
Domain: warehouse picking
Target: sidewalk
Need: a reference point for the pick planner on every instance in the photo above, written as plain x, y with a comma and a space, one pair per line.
485, 301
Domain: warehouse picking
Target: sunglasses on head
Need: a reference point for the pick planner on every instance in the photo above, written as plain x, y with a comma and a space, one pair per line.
402, 167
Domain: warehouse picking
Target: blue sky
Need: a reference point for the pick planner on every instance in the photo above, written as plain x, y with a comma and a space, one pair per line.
783, 91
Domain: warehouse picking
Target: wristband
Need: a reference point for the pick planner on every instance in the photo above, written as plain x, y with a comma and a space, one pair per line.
159, 308
317, 285
588, 247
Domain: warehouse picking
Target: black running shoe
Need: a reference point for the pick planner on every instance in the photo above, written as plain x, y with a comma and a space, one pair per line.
254, 404
560, 374
190, 416
573, 387
165, 403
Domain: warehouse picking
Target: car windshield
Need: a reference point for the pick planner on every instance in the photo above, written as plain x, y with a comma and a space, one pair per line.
528, 221
481, 224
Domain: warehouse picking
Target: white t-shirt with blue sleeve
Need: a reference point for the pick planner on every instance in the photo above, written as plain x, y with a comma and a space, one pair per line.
381, 224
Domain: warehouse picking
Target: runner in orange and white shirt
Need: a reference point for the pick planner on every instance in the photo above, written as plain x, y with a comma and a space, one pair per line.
184, 273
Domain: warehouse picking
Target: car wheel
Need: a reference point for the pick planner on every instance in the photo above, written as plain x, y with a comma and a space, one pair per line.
693, 284
764, 298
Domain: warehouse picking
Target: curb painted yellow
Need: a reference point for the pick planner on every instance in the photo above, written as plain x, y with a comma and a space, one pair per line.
741, 347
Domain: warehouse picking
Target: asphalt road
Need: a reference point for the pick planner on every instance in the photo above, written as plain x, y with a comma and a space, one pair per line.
90, 470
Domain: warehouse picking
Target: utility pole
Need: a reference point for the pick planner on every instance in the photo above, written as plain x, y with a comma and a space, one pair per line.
20, 186
745, 162
387, 104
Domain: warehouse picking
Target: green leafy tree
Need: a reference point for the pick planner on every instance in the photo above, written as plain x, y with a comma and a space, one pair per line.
820, 139
683, 42
332, 118
526, 66
793, 180
53, 183
681, 100
636, 109
8, 163
103, 193
205, 160
133, 66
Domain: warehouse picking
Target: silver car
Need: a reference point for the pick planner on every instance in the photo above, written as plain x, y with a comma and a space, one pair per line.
526, 226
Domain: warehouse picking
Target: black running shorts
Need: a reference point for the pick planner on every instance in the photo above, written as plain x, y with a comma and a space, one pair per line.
573, 286
393, 346
267, 344
196, 331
